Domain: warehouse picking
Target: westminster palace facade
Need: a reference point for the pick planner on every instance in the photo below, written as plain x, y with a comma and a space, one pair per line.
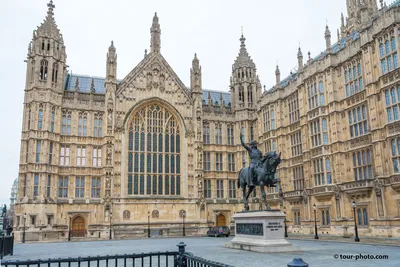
147, 151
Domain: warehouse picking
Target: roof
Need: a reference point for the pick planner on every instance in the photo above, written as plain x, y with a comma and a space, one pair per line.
395, 3
85, 82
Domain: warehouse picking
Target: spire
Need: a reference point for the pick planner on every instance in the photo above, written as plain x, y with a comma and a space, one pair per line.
195, 62
49, 28
243, 59
111, 67
342, 20
327, 38
195, 75
278, 75
155, 31
299, 59
338, 35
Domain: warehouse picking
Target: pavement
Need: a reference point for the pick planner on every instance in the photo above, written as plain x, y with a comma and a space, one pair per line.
318, 252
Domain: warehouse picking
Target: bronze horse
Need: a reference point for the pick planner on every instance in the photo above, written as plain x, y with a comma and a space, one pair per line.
265, 172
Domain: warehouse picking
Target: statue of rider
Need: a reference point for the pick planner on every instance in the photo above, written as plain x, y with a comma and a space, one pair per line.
255, 157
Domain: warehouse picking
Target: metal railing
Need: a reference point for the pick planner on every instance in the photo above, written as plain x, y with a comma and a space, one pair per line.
6, 245
178, 258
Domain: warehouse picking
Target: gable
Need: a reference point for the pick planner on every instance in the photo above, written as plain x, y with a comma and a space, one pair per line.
153, 73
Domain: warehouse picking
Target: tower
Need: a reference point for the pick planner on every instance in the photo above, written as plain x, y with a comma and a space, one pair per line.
244, 78
46, 68
277, 76
299, 60
358, 12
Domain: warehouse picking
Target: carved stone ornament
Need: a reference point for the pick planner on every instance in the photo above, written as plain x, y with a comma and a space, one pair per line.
305, 196
155, 214
378, 185
109, 154
126, 215
182, 213
337, 192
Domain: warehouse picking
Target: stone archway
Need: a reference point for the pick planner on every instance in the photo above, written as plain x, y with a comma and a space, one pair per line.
221, 220
78, 227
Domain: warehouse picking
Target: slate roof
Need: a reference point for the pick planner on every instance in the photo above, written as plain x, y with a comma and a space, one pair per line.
85, 82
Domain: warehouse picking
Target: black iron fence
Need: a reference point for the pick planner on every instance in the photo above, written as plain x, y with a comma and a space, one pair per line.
179, 258
6, 245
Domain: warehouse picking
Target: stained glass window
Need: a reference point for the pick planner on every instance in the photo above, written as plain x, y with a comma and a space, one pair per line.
155, 133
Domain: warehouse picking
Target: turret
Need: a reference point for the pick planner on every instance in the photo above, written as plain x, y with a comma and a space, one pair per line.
155, 31
46, 61
299, 59
111, 70
328, 38
277, 76
195, 76
243, 80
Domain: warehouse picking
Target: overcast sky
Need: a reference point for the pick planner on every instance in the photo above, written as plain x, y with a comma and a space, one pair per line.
211, 28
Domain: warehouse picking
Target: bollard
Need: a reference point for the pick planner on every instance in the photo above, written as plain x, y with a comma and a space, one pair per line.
297, 262
181, 249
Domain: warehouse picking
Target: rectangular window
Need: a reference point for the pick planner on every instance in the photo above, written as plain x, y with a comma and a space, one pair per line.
80, 187
50, 152
98, 126
25, 184
298, 178
220, 189
395, 61
96, 186
218, 161
395, 144
48, 187
244, 157
81, 156
296, 218
218, 134
64, 155
232, 189
293, 104
383, 65
63, 187
358, 121
207, 188
27, 152
231, 138
206, 161
36, 185
33, 220
206, 133
52, 121
38, 149
50, 220
319, 172
266, 119
315, 129
362, 165
354, 84
96, 157
325, 218
40, 119
231, 162
295, 141
316, 97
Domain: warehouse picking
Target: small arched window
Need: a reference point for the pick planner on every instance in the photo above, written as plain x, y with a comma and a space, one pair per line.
52, 121
43, 45
40, 119
381, 50
48, 46
359, 215
387, 47
55, 73
29, 119
365, 216
43, 69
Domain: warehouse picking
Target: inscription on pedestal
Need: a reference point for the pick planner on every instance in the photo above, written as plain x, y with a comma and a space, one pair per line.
274, 226
249, 228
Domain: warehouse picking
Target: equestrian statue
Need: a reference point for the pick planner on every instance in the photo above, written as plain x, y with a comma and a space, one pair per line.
260, 172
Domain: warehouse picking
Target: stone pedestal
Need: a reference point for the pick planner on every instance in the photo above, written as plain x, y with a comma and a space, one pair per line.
261, 231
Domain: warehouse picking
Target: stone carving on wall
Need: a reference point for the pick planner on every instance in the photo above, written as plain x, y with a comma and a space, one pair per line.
378, 187
305, 196
162, 82
126, 215
118, 125
155, 214
109, 155
182, 213
337, 192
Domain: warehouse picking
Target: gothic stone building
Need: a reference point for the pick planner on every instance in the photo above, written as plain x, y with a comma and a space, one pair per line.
101, 153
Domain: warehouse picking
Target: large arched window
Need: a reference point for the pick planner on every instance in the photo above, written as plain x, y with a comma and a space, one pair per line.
154, 148
54, 76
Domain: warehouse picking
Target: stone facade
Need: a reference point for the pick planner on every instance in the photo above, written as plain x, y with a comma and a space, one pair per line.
101, 153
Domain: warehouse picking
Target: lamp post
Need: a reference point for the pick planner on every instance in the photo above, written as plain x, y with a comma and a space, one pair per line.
183, 225
69, 227
110, 226
23, 230
356, 239
148, 224
284, 211
315, 223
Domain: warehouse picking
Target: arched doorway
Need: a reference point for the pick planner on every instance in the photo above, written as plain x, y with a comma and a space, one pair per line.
78, 227
221, 220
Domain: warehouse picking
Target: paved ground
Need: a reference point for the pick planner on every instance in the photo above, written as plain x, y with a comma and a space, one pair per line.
319, 253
